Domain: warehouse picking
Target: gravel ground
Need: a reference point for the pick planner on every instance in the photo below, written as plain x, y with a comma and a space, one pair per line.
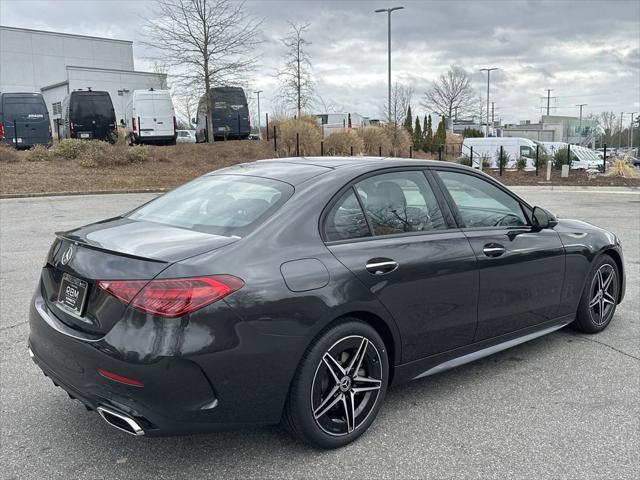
562, 406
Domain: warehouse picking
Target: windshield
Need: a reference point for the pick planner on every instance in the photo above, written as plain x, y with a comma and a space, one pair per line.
219, 204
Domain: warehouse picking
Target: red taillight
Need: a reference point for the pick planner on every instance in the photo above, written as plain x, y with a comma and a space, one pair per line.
119, 378
1, 130
133, 124
173, 297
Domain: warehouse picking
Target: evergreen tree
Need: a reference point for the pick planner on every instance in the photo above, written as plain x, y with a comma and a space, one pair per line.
440, 137
428, 134
417, 135
408, 126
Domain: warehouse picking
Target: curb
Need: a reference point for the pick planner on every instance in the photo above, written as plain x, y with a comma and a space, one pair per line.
89, 192
578, 188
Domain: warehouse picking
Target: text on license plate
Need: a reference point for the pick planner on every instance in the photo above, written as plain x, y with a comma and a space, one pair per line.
72, 294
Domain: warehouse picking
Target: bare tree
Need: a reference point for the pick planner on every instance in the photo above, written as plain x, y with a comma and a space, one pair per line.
296, 84
451, 94
400, 100
609, 124
204, 43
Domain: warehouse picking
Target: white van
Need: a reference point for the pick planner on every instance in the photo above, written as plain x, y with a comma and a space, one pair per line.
489, 148
582, 158
151, 118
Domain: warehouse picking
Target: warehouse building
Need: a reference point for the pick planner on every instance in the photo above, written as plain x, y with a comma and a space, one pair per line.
58, 63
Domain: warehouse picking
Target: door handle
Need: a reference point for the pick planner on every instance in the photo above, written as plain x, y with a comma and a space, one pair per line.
493, 249
381, 266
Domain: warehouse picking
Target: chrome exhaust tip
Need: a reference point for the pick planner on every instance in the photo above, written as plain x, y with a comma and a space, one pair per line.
120, 421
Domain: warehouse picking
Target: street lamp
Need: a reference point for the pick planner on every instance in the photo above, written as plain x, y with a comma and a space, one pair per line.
631, 133
488, 70
259, 125
389, 10
580, 105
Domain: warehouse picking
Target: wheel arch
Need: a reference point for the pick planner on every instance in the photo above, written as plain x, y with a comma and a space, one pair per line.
615, 255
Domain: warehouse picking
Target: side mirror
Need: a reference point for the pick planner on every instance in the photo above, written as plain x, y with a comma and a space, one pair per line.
542, 218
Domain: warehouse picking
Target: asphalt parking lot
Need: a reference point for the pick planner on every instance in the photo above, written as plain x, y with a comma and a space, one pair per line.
562, 406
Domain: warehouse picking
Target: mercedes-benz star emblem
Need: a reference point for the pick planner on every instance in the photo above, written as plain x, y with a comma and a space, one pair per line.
66, 256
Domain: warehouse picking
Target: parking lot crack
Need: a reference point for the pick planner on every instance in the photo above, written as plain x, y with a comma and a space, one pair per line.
609, 346
8, 327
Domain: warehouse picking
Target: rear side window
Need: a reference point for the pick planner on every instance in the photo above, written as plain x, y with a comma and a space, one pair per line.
400, 202
346, 219
219, 204
92, 106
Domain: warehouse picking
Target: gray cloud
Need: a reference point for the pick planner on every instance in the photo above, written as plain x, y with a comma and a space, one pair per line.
586, 51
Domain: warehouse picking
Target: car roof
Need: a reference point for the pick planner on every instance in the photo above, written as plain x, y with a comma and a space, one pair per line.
295, 170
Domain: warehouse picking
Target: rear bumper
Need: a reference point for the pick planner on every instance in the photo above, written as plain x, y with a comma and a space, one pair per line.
245, 384
153, 139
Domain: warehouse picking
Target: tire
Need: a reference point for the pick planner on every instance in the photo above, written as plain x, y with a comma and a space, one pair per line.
596, 309
345, 398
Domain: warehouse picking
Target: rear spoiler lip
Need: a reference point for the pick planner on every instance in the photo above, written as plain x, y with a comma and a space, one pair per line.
85, 243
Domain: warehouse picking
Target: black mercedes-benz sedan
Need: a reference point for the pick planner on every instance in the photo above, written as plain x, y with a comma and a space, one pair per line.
299, 290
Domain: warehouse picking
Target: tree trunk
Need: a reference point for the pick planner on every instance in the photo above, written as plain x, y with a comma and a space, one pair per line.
209, 102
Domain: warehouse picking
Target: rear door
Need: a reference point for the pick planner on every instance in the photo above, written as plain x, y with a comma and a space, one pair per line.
521, 268
146, 112
26, 120
399, 239
163, 109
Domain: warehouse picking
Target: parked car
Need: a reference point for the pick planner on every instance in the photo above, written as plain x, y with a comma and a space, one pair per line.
89, 115
300, 289
229, 116
514, 147
186, 136
24, 120
151, 118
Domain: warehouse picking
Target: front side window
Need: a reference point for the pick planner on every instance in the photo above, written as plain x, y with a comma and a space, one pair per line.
219, 204
400, 202
480, 203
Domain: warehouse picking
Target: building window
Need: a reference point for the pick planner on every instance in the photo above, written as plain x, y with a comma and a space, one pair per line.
56, 107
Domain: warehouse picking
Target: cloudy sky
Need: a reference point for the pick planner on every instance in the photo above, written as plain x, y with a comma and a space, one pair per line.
586, 51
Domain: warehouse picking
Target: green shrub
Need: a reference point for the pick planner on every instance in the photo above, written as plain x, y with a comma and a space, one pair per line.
561, 157
136, 154
521, 164
8, 154
503, 159
39, 153
465, 160
69, 148
486, 160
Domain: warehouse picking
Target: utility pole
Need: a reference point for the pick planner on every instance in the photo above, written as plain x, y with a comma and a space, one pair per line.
493, 104
488, 70
620, 134
631, 133
389, 11
548, 98
580, 127
258, 92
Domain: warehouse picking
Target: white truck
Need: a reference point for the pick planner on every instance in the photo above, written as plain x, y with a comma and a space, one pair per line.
582, 158
151, 118
488, 149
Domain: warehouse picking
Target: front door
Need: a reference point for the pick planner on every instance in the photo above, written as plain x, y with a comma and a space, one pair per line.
521, 267
390, 231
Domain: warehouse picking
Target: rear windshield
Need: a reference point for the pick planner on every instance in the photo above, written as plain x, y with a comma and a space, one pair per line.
219, 204
92, 106
24, 107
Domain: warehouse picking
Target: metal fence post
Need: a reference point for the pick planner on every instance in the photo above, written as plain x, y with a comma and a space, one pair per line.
351, 150
410, 151
297, 144
15, 134
471, 157
267, 115
275, 139
439, 152
604, 159
500, 159
321, 148
537, 158
239, 134
569, 155
380, 151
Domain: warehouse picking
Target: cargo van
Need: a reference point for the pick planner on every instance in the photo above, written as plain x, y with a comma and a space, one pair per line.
24, 120
229, 116
489, 148
89, 115
582, 158
151, 118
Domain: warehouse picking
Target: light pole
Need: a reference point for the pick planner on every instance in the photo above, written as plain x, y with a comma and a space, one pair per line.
580, 105
259, 120
631, 133
389, 10
620, 134
488, 70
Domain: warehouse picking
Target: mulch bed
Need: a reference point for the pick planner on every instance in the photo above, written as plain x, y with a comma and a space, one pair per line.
575, 178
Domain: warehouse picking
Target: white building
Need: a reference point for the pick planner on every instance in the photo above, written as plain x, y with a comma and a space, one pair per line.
58, 63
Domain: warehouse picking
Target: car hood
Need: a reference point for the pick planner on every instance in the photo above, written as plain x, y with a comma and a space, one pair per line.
147, 240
